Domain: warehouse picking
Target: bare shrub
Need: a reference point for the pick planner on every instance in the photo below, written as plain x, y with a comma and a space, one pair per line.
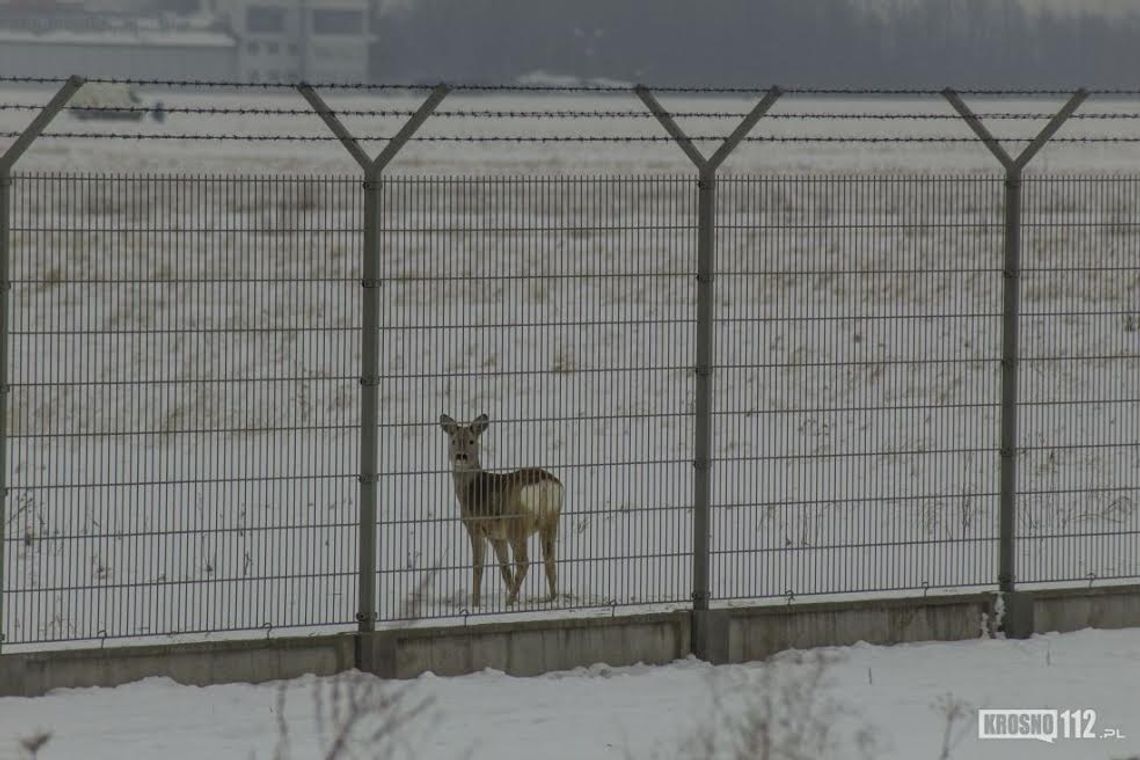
34, 743
356, 715
956, 713
785, 714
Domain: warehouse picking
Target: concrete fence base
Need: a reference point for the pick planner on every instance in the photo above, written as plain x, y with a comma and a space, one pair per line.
526, 648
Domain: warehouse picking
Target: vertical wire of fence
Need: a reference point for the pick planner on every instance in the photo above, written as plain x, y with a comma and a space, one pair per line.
858, 339
182, 407
563, 309
1078, 506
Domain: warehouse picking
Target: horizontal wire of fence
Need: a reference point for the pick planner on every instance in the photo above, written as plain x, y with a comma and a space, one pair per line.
562, 309
1078, 515
584, 139
558, 113
180, 424
858, 339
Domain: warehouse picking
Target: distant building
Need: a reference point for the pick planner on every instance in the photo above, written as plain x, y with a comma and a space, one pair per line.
302, 40
45, 38
250, 40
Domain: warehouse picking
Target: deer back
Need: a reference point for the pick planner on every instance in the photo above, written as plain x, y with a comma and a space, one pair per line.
496, 496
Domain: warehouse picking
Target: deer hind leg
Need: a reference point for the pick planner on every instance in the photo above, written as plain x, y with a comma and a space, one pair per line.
500, 545
522, 564
478, 554
550, 559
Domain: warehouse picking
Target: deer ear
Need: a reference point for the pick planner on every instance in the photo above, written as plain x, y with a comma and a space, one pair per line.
449, 425
480, 423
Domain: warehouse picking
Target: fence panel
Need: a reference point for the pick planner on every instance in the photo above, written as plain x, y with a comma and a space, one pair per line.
858, 345
183, 406
184, 400
1078, 516
564, 309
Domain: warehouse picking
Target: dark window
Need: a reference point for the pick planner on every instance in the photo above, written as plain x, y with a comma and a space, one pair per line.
264, 18
271, 48
338, 22
252, 47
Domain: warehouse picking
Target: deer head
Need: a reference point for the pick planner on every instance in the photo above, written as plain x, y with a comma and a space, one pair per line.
463, 441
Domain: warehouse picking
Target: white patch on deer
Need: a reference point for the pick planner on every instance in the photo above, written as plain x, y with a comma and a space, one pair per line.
543, 500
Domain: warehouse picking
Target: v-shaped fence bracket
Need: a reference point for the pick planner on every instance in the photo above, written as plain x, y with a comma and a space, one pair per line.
708, 165
366, 611
373, 166
40, 123
1013, 166
709, 631
7, 160
1016, 625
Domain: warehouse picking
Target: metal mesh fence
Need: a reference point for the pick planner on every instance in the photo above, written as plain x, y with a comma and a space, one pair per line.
858, 336
185, 391
563, 309
1078, 507
182, 407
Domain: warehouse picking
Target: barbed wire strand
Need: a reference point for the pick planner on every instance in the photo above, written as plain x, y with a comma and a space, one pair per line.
940, 139
565, 114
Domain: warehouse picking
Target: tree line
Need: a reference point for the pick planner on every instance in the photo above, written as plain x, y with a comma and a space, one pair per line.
824, 43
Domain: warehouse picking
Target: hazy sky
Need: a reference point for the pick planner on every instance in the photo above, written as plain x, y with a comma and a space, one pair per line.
1112, 6
1102, 6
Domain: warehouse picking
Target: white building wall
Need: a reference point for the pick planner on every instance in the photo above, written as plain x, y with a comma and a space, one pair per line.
309, 40
47, 57
267, 41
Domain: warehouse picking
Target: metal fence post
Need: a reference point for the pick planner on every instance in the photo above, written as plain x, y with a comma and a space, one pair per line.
369, 402
5, 244
702, 422
709, 635
1010, 368
1018, 617
366, 613
7, 161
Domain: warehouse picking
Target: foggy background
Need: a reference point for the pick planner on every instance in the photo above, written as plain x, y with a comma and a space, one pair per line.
895, 43
826, 43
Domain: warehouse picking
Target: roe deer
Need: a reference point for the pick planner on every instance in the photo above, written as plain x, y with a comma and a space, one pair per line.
502, 508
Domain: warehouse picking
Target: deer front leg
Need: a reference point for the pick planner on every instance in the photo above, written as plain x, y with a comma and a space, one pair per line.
504, 556
478, 555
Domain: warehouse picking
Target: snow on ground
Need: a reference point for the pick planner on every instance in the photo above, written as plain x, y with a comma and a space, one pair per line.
871, 701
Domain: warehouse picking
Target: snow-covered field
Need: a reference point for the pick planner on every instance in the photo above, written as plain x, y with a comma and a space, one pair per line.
185, 364
911, 702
